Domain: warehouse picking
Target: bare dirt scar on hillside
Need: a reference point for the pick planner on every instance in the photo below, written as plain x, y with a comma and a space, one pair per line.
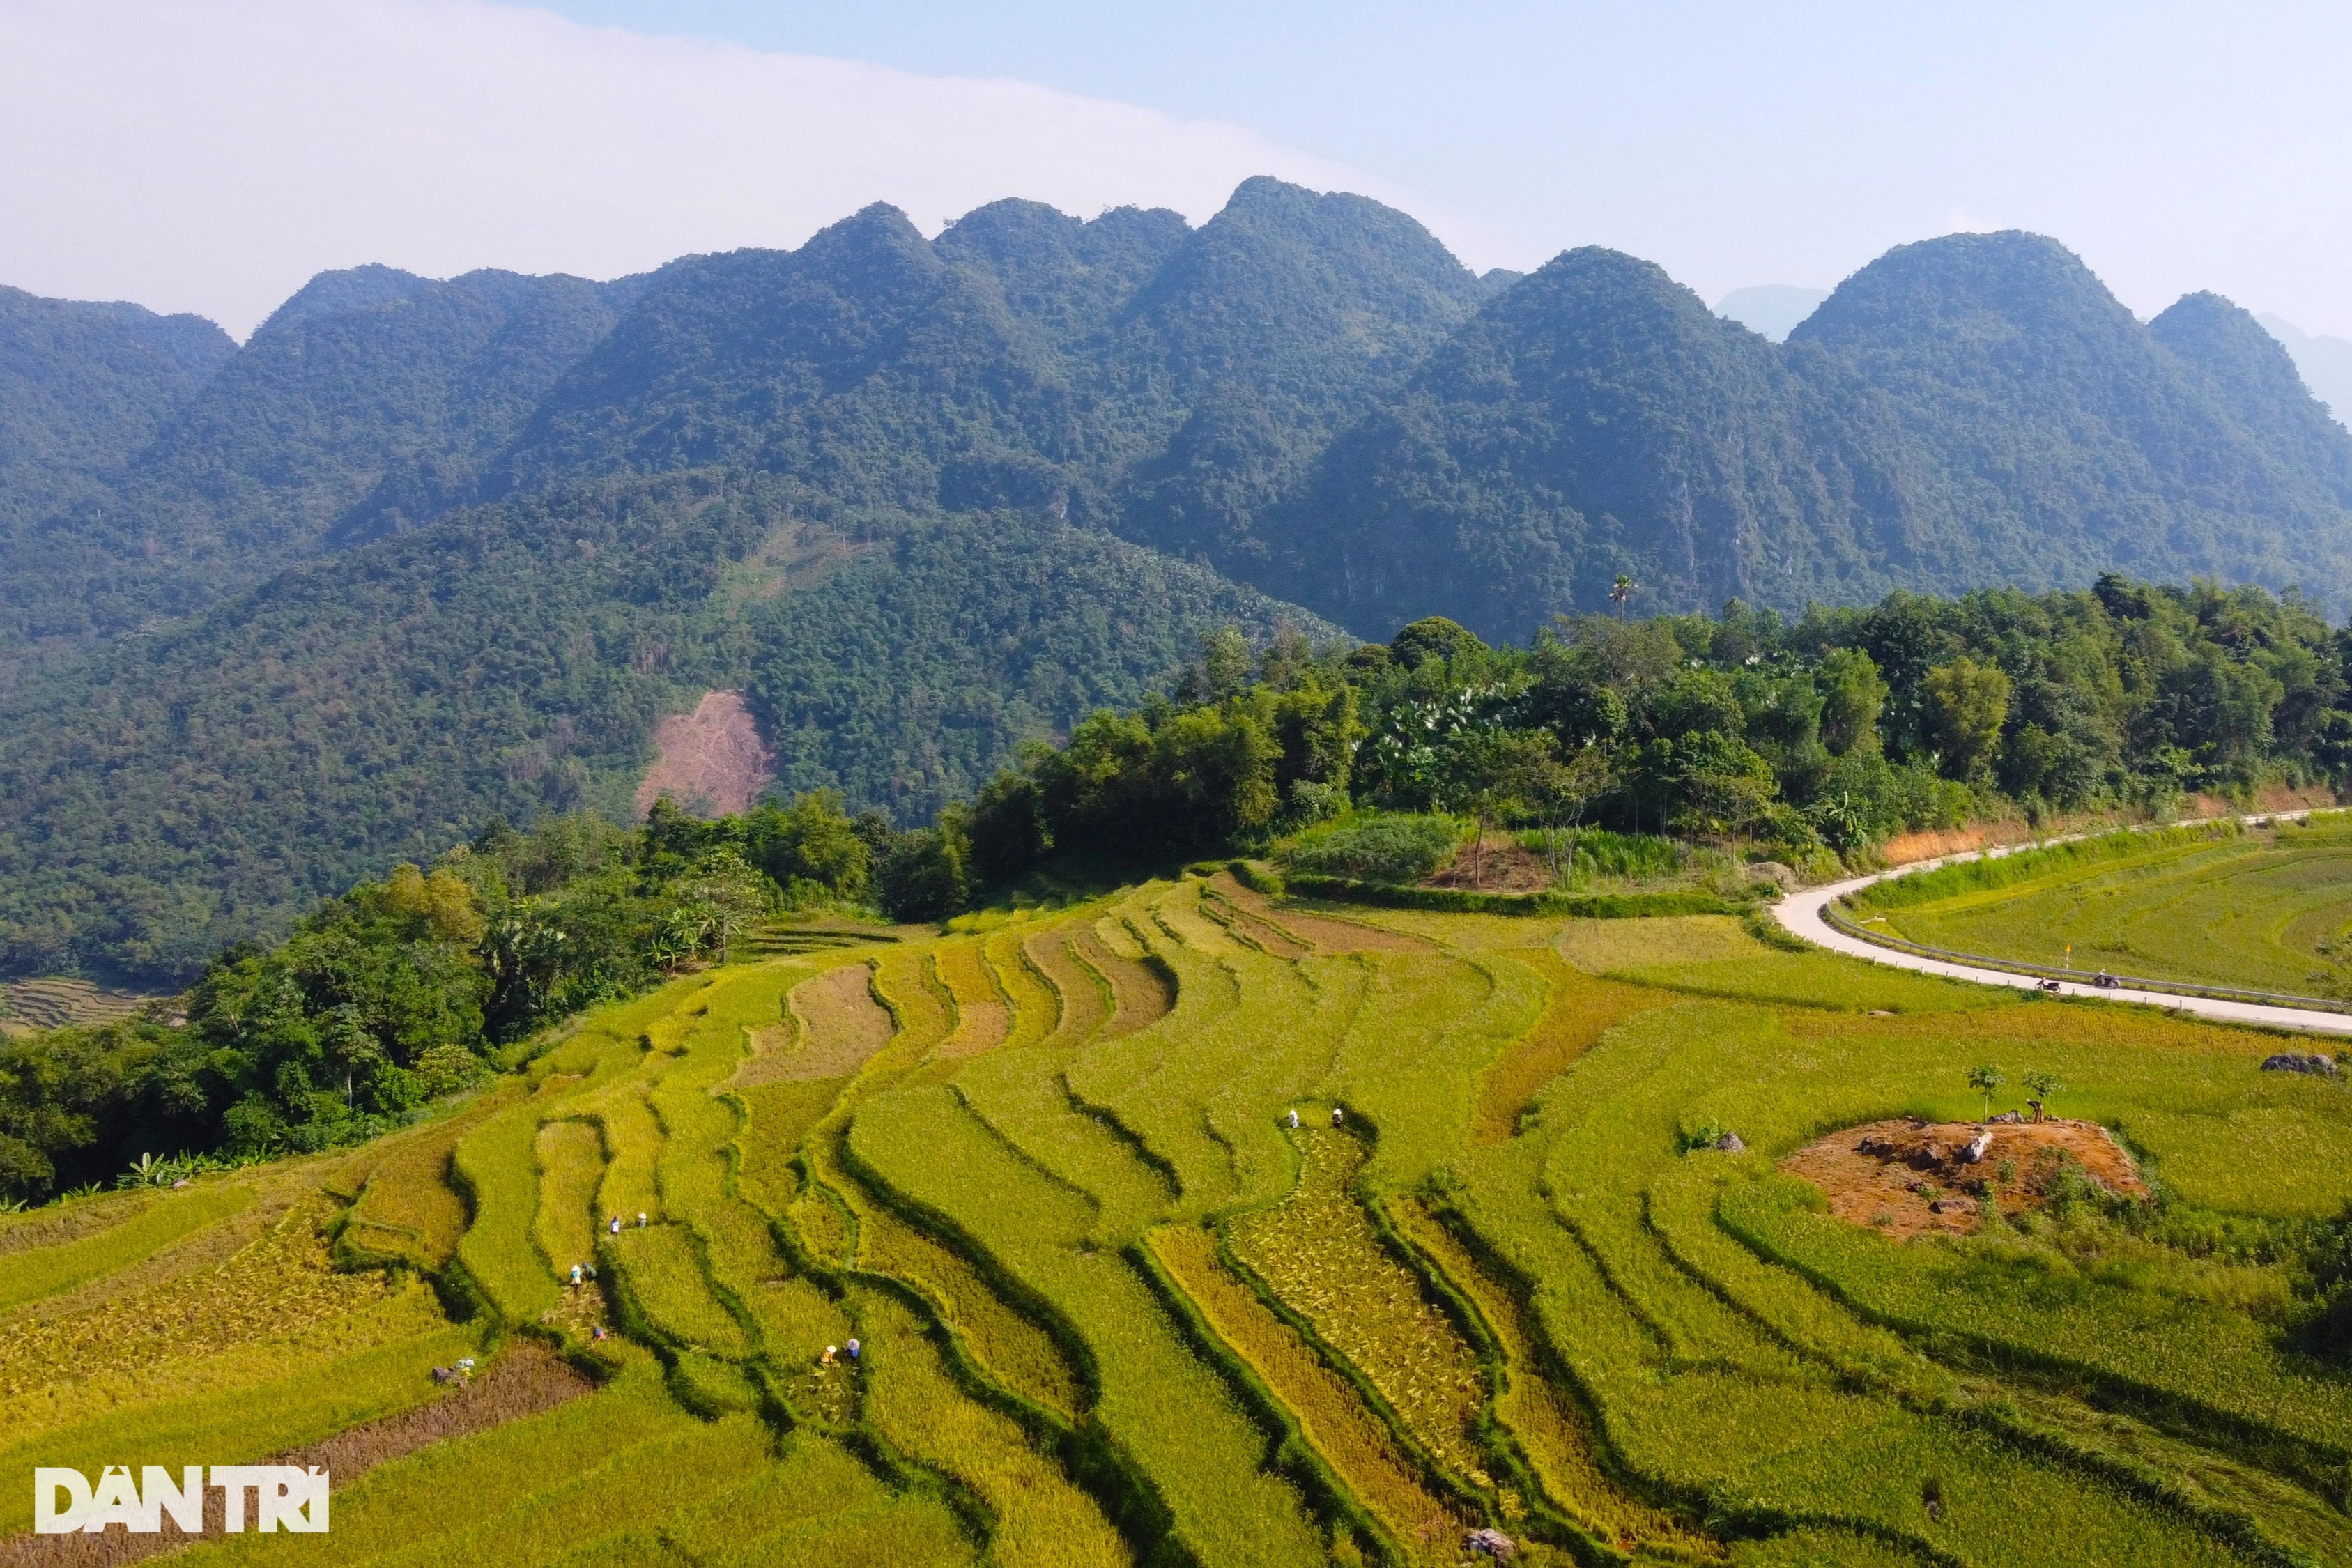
523, 1381
713, 759
836, 1025
1907, 1178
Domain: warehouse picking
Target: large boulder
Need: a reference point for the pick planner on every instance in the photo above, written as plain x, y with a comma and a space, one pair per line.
2300, 1061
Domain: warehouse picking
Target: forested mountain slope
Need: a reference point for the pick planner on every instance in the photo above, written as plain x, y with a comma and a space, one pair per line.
1126, 372
84, 387
1971, 410
423, 550
362, 406
204, 785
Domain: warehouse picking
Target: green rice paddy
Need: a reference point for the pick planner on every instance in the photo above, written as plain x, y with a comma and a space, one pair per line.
1112, 1307
2265, 908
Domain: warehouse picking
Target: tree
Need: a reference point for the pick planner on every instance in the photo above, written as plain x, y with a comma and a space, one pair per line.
1565, 792
2042, 1086
928, 874
1966, 703
729, 893
1985, 1080
1853, 696
1432, 637
1621, 593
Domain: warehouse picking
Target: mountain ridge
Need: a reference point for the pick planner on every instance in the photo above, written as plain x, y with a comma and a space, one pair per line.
926, 499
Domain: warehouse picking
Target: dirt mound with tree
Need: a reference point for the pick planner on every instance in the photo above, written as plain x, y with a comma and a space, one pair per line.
1908, 1177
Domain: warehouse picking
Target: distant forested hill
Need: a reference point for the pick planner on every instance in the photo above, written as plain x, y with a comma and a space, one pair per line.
84, 389
365, 404
421, 551
206, 783
1967, 411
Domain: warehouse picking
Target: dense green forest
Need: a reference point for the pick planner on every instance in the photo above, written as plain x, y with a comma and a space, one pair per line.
274, 618
207, 783
84, 389
1811, 740
1966, 412
1807, 742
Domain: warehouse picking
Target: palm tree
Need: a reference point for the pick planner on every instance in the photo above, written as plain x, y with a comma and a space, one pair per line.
1619, 592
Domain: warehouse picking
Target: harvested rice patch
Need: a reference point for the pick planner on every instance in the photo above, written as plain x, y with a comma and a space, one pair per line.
1581, 1009
1907, 1178
838, 1025
1551, 1427
525, 1379
1317, 926
1356, 1443
1320, 1253
1245, 914
1140, 994
983, 1016
1081, 995
828, 1390
272, 1289
1460, 930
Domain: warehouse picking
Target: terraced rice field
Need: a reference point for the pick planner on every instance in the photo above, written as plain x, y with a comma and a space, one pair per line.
57, 1003
2263, 909
1112, 1307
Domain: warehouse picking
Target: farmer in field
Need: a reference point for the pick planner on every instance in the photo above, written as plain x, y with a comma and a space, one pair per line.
1338, 1116
1293, 1121
616, 1225
641, 1219
576, 1276
853, 1350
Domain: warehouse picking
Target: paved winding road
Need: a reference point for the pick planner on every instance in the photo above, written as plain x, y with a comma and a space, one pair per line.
1802, 913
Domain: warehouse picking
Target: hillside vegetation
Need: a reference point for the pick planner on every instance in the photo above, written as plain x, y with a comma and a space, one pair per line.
274, 618
1111, 1306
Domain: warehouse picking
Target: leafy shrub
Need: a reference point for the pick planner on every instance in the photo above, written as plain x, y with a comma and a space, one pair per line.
1396, 848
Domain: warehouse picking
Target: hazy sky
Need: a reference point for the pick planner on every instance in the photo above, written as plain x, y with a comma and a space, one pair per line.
209, 154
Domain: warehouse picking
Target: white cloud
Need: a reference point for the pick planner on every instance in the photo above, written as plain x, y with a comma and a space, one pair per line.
210, 155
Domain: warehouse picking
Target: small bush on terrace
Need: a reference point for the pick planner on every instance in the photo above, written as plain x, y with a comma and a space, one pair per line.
1389, 848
